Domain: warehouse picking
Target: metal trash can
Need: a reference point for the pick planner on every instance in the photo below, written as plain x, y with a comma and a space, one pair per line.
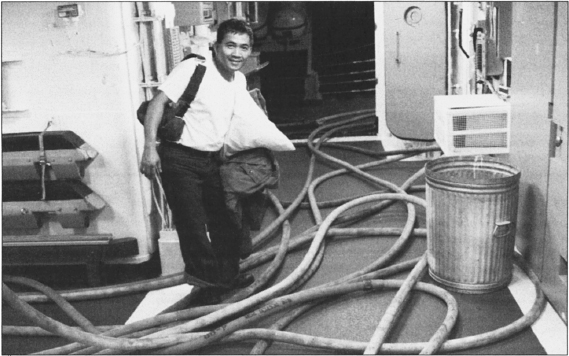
472, 204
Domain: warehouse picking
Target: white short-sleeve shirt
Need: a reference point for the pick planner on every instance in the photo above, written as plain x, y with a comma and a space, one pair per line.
207, 120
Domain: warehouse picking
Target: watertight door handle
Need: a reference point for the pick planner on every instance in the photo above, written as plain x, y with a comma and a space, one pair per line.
397, 56
502, 229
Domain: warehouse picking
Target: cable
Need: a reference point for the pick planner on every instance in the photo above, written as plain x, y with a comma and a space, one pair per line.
83, 322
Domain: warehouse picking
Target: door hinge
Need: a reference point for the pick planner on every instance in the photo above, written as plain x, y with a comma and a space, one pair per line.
556, 139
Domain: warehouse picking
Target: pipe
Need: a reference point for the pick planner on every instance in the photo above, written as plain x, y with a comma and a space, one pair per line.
158, 44
395, 307
337, 202
110, 291
373, 153
145, 52
27, 331
133, 335
77, 317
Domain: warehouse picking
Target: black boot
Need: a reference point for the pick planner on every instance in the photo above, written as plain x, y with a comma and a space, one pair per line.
243, 280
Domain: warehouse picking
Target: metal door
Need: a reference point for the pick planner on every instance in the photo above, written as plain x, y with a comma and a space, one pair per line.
415, 66
557, 190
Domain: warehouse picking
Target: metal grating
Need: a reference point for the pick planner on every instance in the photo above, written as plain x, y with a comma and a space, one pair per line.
480, 122
498, 139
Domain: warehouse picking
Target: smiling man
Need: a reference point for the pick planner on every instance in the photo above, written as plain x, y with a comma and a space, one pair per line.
189, 167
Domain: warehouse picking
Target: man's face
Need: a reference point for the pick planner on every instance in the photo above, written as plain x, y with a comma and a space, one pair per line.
232, 52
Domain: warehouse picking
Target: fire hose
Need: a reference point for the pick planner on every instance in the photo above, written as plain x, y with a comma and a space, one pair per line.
175, 332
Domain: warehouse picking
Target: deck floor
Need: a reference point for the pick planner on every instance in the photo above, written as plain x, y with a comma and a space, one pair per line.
352, 317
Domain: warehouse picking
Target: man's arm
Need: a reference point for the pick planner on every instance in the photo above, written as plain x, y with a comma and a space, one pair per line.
150, 163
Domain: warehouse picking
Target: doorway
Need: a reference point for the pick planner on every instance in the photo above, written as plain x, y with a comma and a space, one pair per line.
333, 73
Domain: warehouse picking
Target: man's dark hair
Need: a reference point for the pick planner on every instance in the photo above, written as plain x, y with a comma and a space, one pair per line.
233, 26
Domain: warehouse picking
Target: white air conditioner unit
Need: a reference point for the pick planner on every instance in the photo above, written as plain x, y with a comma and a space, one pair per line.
472, 124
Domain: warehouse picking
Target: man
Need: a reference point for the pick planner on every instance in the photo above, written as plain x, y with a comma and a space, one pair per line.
189, 168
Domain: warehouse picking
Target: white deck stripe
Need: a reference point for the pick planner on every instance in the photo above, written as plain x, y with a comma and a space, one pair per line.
156, 301
549, 328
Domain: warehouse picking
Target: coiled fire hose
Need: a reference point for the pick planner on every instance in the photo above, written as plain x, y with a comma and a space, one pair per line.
182, 338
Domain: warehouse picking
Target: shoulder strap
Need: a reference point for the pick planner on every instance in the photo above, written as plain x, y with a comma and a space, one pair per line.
194, 55
191, 90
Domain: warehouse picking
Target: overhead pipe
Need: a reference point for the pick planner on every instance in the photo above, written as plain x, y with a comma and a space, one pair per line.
145, 51
158, 43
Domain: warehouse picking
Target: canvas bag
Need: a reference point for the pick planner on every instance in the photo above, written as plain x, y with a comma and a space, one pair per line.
172, 124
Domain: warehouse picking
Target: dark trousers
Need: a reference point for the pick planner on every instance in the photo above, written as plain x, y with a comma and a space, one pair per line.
208, 239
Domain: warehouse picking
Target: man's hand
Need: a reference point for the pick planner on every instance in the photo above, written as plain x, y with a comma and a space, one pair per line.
150, 162
259, 99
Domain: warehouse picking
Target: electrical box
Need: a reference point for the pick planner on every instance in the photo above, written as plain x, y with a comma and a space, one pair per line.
472, 124
67, 11
68, 15
193, 13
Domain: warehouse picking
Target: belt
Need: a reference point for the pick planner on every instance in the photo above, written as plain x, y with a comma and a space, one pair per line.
192, 151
